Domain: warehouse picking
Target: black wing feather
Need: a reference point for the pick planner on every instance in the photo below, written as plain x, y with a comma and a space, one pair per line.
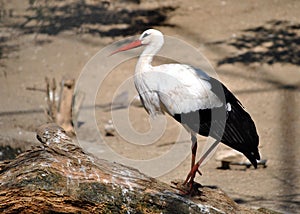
237, 129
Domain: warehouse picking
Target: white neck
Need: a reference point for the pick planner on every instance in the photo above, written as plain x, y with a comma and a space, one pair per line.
145, 60
144, 63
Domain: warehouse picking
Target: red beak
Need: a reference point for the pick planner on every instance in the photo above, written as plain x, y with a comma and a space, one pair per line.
134, 44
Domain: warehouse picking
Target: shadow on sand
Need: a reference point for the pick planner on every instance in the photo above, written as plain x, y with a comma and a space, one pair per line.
275, 42
96, 17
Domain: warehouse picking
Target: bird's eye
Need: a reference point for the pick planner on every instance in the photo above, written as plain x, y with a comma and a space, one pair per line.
145, 35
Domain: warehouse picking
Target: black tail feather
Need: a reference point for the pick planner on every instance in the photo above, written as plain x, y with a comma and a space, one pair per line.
253, 158
240, 131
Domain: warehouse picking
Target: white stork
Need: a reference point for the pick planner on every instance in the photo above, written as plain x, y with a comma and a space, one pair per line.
199, 102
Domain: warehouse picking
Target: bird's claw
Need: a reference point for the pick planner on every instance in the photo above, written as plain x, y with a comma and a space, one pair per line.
190, 189
179, 185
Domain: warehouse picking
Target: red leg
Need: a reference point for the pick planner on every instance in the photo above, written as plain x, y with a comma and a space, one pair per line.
194, 168
194, 149
190, 178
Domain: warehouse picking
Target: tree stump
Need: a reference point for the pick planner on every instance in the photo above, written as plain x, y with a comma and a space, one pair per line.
59, 177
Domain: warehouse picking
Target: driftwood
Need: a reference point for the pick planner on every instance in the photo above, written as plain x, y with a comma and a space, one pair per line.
61, 112
64, 114
59, 177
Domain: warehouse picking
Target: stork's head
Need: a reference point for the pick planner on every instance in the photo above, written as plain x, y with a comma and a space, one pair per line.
152, 38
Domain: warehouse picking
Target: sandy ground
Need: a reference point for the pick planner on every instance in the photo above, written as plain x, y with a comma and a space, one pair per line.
267, 85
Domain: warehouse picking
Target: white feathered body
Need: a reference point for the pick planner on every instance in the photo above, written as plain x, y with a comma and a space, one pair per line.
175, 89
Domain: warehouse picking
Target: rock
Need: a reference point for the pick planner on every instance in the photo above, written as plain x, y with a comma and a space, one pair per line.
230, 155
109, 128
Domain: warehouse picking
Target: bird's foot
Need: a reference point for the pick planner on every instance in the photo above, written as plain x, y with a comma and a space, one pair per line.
190, 189
178, 184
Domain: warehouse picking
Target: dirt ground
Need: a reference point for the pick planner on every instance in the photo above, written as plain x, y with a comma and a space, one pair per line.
254, 46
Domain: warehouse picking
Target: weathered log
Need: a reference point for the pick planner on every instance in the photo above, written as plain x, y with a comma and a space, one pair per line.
59, 177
